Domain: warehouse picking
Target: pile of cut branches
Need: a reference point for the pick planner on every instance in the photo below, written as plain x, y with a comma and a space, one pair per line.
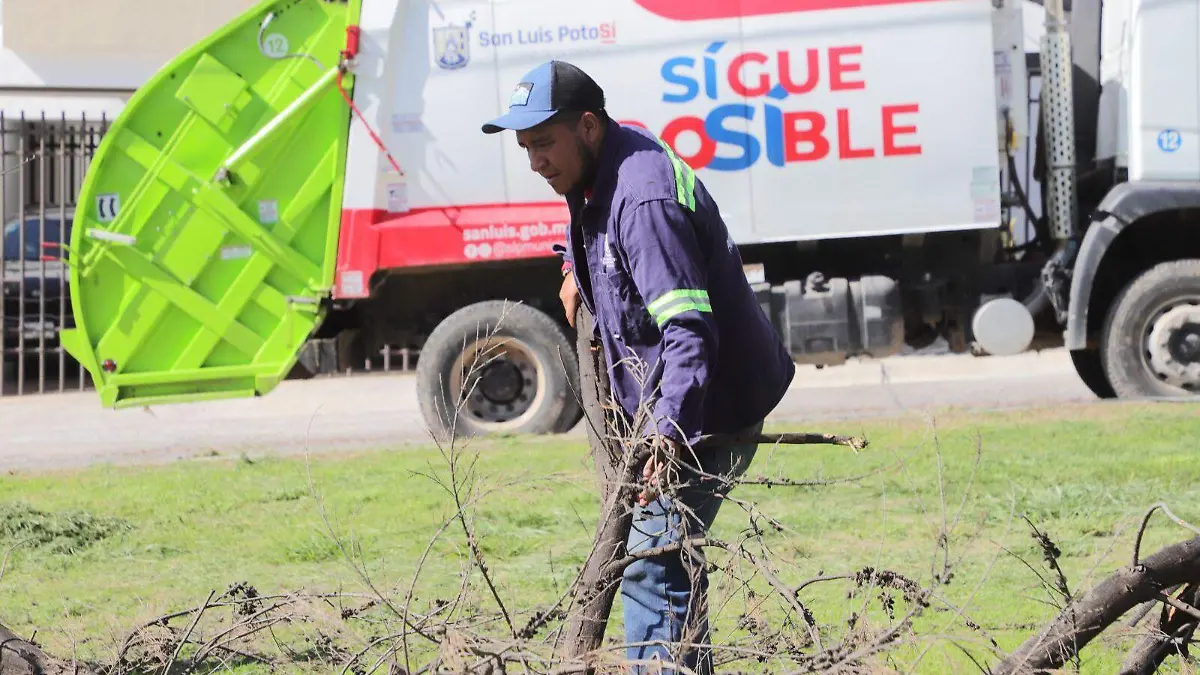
480, 630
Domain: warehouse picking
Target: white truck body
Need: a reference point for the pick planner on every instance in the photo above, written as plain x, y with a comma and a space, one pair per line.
806, 119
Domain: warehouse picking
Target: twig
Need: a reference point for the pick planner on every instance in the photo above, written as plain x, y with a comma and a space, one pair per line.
961, 611
805, 614
614, 569
810, 482
7, 555
818, 580
188, 632
479, 562
943, 538
216, 641
1178, 604
1137, 543
1050, 554
791, 438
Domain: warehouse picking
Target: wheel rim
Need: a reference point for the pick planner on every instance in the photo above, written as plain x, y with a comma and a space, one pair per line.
1171, 343
497, 383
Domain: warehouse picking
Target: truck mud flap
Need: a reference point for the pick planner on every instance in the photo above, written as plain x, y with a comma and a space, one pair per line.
205, 239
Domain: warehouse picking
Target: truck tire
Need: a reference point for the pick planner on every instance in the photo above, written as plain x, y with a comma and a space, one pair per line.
1090, 368
498, 367
1151, 341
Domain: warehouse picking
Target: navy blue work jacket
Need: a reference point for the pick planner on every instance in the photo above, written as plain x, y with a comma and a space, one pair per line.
681, 329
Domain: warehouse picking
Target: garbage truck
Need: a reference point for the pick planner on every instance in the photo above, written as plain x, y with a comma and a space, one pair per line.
310, 182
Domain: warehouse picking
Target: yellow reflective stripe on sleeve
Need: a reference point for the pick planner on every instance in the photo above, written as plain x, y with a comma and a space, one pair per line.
685, 178
672, 303
674, 310
671, 296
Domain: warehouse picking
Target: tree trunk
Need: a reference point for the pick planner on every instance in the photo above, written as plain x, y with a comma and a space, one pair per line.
1087, 617
586, 624
19, 657
596, 396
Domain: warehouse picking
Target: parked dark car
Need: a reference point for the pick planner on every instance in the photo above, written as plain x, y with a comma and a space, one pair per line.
37, 302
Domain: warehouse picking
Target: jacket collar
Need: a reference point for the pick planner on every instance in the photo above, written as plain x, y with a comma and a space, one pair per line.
605, 182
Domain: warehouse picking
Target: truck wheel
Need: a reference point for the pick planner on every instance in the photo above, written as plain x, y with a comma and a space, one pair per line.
1090, 369
1151, 341
498, 367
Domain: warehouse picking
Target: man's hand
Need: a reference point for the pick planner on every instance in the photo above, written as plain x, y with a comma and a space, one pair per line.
569, 294
660, 465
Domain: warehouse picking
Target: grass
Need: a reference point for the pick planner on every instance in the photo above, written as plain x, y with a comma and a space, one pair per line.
107, 548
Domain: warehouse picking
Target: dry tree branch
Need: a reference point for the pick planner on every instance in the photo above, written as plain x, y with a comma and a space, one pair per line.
8, 554
222, 638
1089, 615
1178, 604
477, 555
1051, 553
960, 612
465, 637
361, 572
188, 633
1137, 543
463, 498
1171, 632
20, 656
1143, 582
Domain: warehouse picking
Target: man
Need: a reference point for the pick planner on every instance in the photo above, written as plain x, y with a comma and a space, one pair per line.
686, 341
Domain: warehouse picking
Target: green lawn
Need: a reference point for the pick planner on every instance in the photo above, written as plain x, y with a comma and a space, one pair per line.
114, 547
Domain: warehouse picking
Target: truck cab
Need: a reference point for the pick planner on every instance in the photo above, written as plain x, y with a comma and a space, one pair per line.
1131, 300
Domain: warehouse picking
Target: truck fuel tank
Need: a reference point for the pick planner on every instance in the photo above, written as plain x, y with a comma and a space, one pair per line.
827, 321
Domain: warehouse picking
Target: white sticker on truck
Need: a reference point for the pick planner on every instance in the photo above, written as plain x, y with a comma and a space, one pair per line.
268, 211
352, 283
236, 252
985, 193
397, 197
276, 45
108, 206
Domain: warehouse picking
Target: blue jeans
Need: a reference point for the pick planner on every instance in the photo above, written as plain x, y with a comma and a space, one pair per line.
665, 597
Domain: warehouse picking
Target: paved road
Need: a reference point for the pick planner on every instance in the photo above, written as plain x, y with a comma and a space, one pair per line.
371, 411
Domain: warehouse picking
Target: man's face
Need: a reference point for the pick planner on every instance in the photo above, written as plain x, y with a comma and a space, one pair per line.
562, 153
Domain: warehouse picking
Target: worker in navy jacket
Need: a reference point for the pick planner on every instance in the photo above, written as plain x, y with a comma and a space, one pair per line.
685, 339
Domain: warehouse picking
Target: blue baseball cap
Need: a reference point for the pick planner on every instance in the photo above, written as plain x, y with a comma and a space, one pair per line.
545, 91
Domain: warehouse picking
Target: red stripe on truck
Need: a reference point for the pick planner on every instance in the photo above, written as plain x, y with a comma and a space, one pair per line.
375, 239
699, 10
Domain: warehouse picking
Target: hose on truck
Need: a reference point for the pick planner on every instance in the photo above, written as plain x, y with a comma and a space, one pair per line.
1038, 299
353, 38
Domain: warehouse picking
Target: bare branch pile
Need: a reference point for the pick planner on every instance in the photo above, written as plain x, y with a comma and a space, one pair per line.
764, 609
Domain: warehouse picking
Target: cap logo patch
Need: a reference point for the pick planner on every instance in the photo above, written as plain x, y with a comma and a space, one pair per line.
520, 95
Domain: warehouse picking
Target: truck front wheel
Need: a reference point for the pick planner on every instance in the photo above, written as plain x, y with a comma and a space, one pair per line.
498, 367
1151, 341
1090, 369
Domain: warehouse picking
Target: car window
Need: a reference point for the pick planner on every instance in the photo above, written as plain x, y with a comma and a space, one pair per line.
33, 239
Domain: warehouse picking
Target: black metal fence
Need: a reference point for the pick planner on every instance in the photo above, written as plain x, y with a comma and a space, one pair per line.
43, 162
